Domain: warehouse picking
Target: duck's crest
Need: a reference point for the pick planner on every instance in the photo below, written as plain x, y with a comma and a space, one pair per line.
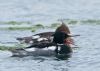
63, 28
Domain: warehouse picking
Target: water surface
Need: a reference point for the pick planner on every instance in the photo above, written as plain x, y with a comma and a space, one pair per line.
43, 11
84, 58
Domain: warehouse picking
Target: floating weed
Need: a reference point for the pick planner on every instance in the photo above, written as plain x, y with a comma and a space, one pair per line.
41, 26
13, 22
54, 25
38, 26
70, 21
4, 47
90, 21
19, 28
7, 48
33, 30
82, 21
73, 22
16, 22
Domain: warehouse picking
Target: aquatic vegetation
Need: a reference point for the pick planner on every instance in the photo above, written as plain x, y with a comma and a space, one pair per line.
38, 26
54, 25
6, 48
90, 21
16, 46
15, 22
35, 27
19, 28
82, 21
73, 22
15, 25
33, 30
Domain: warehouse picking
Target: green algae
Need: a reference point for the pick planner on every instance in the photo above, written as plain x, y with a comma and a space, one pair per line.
19, 28
54, 25
7, 47
16, 46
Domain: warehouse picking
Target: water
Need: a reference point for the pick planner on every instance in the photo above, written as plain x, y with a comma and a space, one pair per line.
84, 58
8, 38
43, 11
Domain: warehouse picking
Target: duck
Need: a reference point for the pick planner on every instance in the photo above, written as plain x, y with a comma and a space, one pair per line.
50, 46
63, 35
26, 40
45, 36
48, 52
58, 37
36, 38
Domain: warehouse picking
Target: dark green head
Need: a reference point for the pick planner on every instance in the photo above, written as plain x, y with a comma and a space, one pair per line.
59, 37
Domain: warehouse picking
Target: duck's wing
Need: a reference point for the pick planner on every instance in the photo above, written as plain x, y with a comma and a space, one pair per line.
33, 38
42, 45
45, 34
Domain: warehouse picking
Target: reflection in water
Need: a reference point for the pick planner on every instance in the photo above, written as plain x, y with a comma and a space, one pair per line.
63, 56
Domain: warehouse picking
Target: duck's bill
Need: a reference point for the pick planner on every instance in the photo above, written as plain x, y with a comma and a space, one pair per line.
71, 35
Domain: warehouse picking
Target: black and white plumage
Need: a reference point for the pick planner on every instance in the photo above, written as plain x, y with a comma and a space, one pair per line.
46, 44
45, 48
50, 51
40, 37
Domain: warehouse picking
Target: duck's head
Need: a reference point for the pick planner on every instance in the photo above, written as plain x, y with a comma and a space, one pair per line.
59, 37
62, 35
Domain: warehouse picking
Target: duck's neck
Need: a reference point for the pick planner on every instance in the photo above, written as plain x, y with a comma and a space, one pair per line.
64, 49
